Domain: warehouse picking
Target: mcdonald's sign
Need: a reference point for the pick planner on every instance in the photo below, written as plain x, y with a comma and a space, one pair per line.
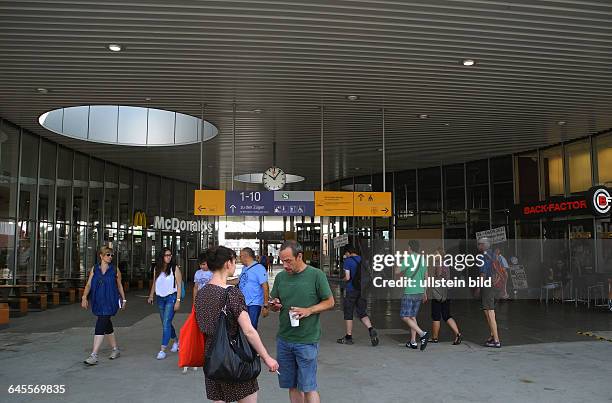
140, 219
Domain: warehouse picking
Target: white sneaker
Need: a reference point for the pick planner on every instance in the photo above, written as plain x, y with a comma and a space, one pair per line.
91, 360
161, 355
175, 347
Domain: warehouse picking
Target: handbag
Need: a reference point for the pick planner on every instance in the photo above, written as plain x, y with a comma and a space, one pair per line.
191, 353
230, 359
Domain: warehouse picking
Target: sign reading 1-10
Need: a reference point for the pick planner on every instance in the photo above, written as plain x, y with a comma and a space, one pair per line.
250, 196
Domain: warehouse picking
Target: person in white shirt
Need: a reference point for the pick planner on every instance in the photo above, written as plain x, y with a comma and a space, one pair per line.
169, 296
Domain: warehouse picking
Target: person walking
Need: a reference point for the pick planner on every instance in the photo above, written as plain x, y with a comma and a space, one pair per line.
167, 276
208, 306
354, 301
202, 276
105, 293
300, 293
440, 303
487, 294
253, 283
415, 293
504, 264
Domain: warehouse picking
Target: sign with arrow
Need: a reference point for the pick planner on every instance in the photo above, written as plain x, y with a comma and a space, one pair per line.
372, 204
209, 202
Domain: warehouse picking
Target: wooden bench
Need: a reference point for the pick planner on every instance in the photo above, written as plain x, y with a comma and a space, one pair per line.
17, 306
4, 315
80, 292
66, 295
36, 301
140, 284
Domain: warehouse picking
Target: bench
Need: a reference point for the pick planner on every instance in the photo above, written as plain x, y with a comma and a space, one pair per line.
17, 306
126, 286
66, 295
36, 301
4, 315
80, 292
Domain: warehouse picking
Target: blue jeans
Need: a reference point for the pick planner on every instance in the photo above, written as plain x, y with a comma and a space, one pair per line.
254, 311
297, 365
166, 312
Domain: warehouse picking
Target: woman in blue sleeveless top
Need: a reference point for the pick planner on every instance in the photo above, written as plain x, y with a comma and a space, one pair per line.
103, 291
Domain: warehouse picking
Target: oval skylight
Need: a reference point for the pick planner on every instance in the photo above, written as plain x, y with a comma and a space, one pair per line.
127, 125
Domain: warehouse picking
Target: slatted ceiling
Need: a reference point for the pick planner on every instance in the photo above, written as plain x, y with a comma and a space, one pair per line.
538, 62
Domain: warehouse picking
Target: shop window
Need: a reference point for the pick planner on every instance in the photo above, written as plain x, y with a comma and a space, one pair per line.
405, 196
578, 156
527, 171
477, 174
454, 187
111, 195
125, 197
552, 172
167, 197
153, 185
64, 185
80, 188
29, 177
9, 151
603, 146
7, 252
430, 199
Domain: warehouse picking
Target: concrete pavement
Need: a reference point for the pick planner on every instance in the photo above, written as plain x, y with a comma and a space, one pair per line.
544, 372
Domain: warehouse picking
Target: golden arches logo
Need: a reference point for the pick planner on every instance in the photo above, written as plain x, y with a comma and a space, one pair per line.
140, 219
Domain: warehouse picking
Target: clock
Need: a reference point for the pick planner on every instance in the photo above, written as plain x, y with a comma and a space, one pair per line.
274, 178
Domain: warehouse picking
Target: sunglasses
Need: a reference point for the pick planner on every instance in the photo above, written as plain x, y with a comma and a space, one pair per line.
166, 255
109, 254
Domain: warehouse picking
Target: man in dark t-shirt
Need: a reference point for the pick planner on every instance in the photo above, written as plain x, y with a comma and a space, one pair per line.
353, 299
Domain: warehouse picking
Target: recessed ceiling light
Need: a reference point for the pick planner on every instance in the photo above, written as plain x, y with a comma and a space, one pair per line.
352, 97
42, 90
423, 116
257, 110
147, 98
446, 124
468, 62
380, 149
114, 47
561, 123
257, 147
356, 168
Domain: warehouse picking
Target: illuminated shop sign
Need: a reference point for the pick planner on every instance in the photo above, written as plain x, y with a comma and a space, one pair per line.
597, 201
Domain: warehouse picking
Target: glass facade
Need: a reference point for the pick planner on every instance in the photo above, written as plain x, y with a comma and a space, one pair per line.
56, 211
58, 206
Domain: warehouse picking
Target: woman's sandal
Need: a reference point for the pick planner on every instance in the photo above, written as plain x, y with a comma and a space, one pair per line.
458, 339
433, 340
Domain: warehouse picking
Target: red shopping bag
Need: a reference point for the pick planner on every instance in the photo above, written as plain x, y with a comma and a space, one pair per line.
191, 352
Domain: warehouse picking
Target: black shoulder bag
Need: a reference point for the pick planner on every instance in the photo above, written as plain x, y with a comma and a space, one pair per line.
230, 359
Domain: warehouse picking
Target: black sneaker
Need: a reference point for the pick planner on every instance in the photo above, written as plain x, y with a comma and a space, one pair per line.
374, 337
412, 346
424, 339
344, 340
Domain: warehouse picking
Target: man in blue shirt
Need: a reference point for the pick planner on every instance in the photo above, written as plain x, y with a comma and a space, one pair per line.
353, 299
254, 285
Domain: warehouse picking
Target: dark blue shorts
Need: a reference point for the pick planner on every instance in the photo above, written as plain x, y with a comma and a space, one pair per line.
410, 305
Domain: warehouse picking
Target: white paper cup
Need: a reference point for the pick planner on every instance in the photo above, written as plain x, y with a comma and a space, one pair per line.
295, 322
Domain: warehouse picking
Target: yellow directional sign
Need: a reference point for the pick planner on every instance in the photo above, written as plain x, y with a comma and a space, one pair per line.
333, 204
209, 202
372, 204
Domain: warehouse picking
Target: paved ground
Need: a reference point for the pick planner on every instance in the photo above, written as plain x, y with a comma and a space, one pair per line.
544, 372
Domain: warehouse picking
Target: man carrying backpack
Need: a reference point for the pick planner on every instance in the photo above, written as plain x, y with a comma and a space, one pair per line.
353, 299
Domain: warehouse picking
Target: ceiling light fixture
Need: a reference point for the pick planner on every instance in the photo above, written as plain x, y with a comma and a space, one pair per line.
468, 62
114, 47
42, 90
562, 123
257, 111
356, 168
423, 116
352, 97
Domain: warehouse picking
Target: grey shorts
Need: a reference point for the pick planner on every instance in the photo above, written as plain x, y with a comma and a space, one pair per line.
487, 298
354, 302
